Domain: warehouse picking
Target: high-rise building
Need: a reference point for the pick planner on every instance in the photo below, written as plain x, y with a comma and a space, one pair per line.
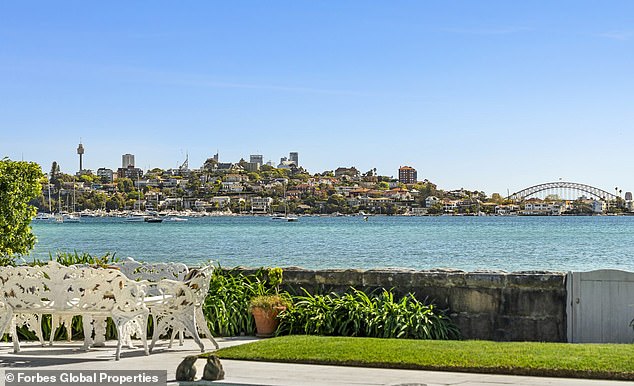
127, 160
407, 175
256, 158
80, 151
294, 157
106, 175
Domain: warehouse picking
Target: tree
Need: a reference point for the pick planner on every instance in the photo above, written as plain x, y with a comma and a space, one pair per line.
115, 202
497, 198
125, 185
436, 208
89, 178
54, 175
20, 182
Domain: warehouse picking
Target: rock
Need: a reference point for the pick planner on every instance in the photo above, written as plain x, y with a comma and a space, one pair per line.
186, 370
213, 369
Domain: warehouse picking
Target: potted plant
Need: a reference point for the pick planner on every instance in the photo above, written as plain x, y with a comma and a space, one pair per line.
266, 307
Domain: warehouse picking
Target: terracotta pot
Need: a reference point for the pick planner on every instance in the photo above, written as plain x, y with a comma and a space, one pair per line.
266, 321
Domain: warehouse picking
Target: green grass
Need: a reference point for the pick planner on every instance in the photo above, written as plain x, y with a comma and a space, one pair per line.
603, 361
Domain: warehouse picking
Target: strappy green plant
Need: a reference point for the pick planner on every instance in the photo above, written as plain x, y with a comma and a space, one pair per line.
358, 314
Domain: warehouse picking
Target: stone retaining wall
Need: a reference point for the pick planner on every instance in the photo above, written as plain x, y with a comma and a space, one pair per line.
521, 306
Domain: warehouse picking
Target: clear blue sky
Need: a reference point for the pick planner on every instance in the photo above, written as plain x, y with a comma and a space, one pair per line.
487, 95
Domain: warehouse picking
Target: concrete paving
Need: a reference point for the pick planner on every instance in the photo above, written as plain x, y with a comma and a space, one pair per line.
70, 356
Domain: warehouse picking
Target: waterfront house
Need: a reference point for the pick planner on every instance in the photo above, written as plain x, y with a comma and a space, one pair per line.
505, 210
261, 204
599, 206
430, 201
541, 208
450, 206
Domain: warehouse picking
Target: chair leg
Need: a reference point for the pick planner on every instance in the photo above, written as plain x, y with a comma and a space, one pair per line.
119, 322
172, 335
68, 322
189, 322
143, 325
142, 331
99, 326
155, 333
54, 326
87, 322
14, 336
5, 322
201, 322
38, 329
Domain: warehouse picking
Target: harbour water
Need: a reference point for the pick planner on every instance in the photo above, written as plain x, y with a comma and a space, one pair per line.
466, 243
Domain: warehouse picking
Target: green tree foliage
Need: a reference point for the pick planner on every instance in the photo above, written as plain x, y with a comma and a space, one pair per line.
92, 200
581, 207
115, 202
125, 185
337, 203
55, 172
497, 198
19, 184
89, 178
436, 208
383, 185
425, 189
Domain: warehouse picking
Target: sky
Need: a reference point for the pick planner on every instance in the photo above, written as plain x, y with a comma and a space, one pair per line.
483, 95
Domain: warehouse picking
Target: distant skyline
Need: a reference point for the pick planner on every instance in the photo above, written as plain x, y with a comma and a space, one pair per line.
489, 95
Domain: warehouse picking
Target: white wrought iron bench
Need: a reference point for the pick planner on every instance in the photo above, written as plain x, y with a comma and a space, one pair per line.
66, 291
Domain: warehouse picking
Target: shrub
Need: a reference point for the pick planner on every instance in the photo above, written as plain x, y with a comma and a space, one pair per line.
357, 314
84, 258
226, 306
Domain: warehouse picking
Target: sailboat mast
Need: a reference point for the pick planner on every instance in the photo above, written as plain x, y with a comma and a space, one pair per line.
50, 209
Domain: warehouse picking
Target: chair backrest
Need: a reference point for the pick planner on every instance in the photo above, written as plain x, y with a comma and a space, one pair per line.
191, 292
152, 272
199, 281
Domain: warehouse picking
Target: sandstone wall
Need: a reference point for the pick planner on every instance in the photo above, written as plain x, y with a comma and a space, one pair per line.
524, 306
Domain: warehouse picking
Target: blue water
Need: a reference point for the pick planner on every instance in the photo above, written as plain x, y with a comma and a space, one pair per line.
467, 243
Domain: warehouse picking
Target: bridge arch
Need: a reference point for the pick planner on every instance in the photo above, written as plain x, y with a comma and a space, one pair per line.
560, 186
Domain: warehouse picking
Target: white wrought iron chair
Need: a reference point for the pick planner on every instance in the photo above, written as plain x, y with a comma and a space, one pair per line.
179, 307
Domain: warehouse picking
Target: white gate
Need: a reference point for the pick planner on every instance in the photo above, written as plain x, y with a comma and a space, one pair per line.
600, 306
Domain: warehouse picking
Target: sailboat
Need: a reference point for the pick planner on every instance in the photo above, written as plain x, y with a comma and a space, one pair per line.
74, 216
43, 215
58, 216
286, 217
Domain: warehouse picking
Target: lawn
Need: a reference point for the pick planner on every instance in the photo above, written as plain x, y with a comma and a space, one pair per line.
604, 361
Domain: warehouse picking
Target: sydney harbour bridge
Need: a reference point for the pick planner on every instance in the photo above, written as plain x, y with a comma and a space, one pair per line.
565, 191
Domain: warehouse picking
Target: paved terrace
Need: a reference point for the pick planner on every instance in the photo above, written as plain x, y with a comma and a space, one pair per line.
69, 356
